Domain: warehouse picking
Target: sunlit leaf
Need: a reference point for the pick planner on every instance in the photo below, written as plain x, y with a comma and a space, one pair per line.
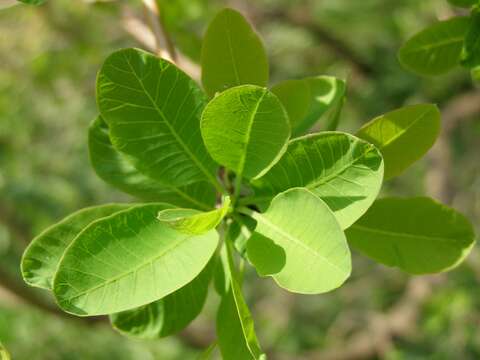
153, 111
116, 169
403, 136
235, 329
299, 242
41, 258
4, 355
193, 221
417, 235
246, 129
346, 172
436, 49
232, 54
127, 260
169, 315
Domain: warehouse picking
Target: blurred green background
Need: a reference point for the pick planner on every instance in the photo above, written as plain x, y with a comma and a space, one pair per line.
49, 57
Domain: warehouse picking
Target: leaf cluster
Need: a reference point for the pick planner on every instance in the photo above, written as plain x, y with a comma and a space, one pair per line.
225, 178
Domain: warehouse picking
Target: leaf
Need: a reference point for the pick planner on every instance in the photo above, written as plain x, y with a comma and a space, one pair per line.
192, 221
41, 258
232, 54
295, 97
153, 111
437, 49
115, 169
299, 242
342, 170
169, 315
327, 94
208, 353
463, 3
403, 136
471, 48
245, 129
127, 260
4, 355
417, 235
33, 2
235, 328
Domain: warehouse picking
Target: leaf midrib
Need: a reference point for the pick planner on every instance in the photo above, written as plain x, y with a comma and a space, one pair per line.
171, 129
405, 235
259, 217
439, 44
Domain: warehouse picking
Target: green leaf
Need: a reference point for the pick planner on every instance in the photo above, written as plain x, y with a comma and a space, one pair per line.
232, 54
403, 136
208, 353
153, 111
463, 3
417, 235
342, 170
115, 169
245, 129
437, 49
299, 242
32, 2
295, 97
41, 258
4, 355
127, 260
169, 315
191, 221
471, 47
327, 96
235, 329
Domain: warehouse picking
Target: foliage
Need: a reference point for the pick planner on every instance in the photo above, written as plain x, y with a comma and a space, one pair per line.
446, 44
333, 200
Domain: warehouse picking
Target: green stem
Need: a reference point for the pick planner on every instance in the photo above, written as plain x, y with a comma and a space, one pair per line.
238, 187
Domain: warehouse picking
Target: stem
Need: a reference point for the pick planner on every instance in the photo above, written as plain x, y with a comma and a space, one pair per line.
238, 187
246, 211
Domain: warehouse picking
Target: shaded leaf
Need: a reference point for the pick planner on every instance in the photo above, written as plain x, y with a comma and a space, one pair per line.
295, 97
471, 47
232, 54
208, 353
327, 96
299, 242
235, 329
169, 315
463, 3
153, 111
192, 221
417, 235
116, 169
403, 136
127, 260
41, 258
344, 171
436, 49
245, 129
33, 2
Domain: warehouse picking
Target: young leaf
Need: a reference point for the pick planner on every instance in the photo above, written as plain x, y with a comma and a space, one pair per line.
191, 221
115, 169
299, 242
127, 260
232, 54
471, 47
235, 329
41, 258
327, 94
436, 49
153, 111
342, 170
403, 136
417, 235
463, 3
245, 129
295, 97
169, 315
